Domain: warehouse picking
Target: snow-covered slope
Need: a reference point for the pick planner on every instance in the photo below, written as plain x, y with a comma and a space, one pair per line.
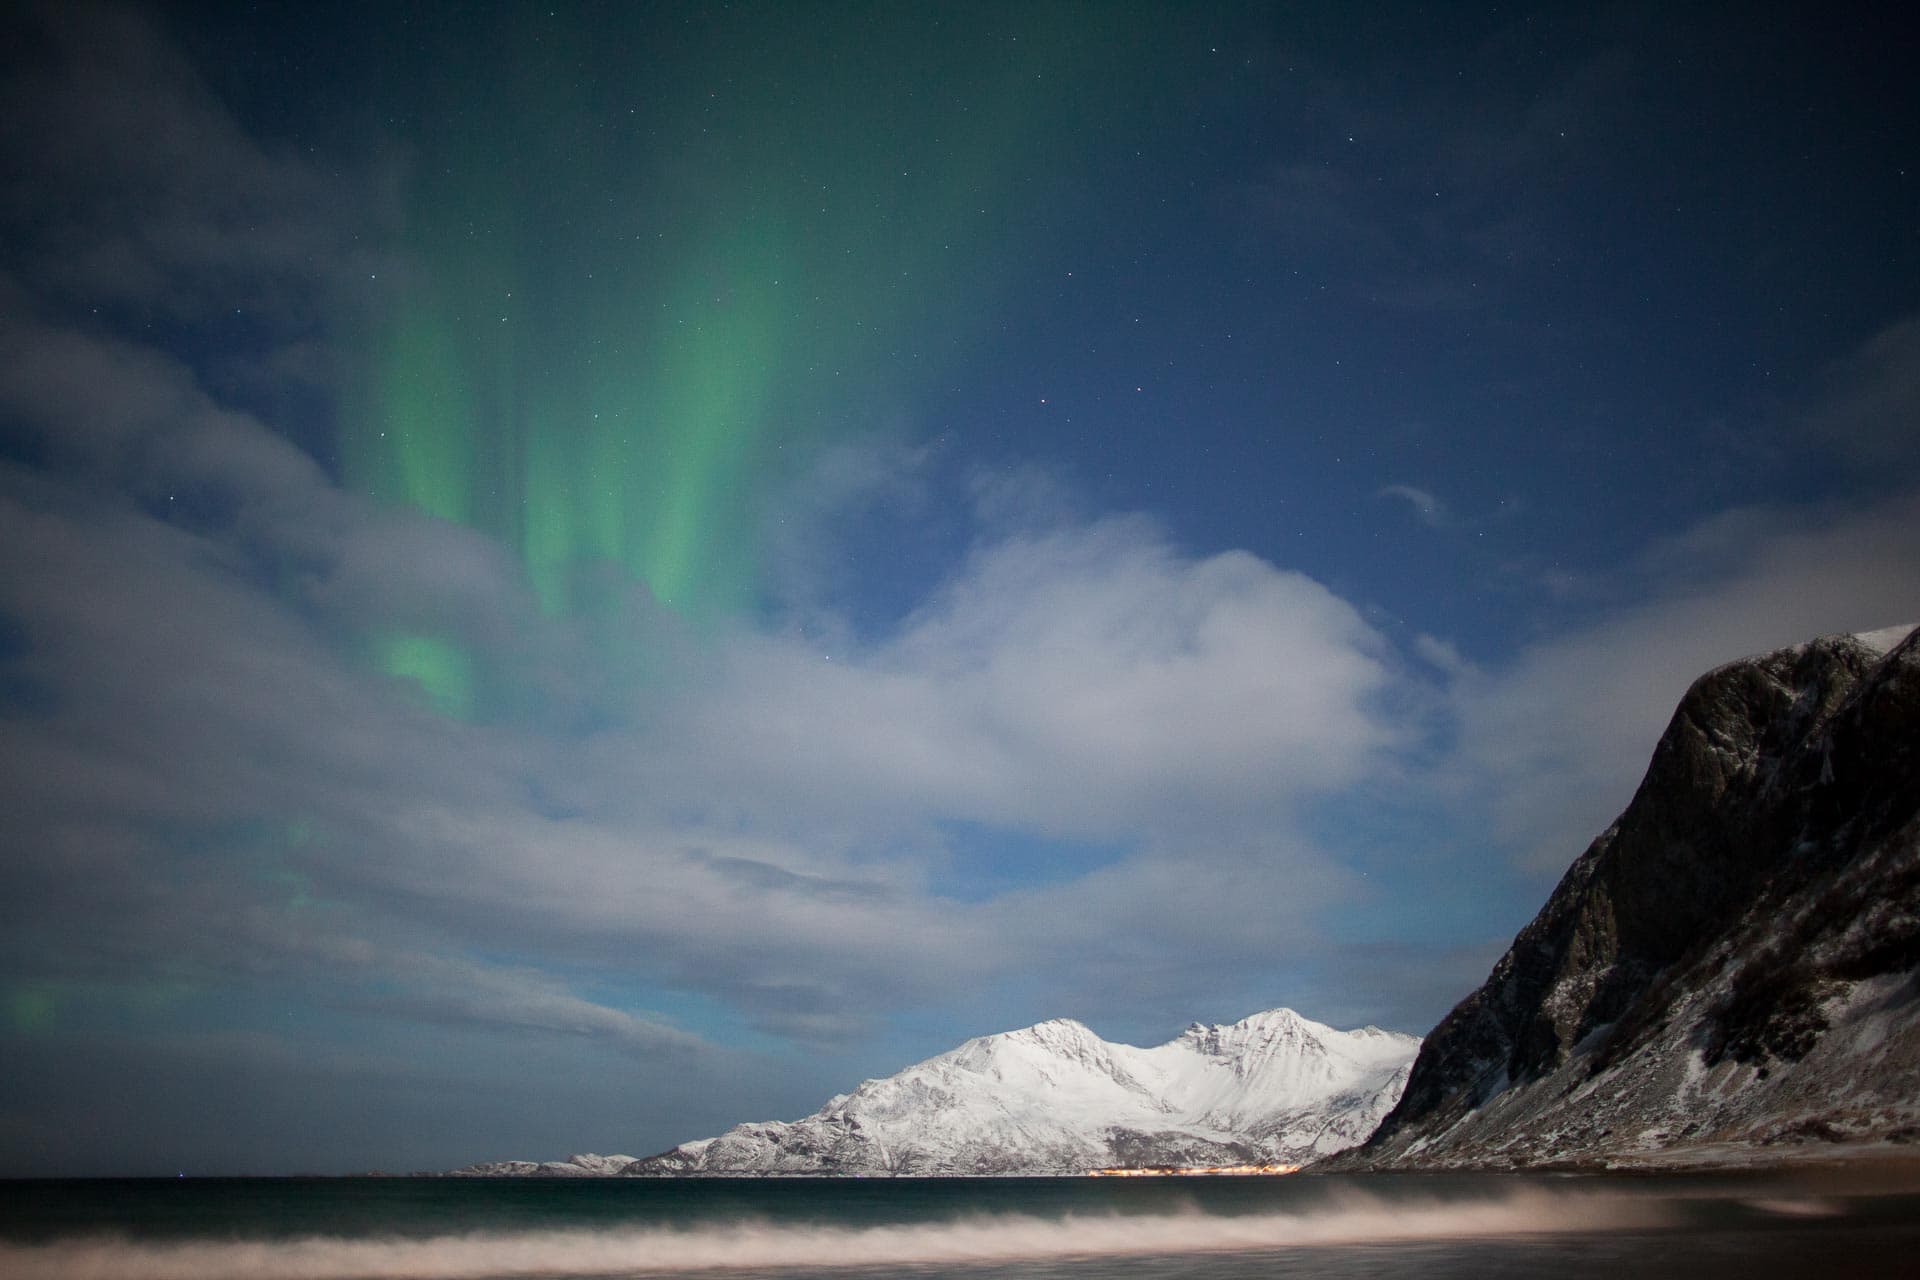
1275, 1088
1733, 966
1055, 1098
578, 1166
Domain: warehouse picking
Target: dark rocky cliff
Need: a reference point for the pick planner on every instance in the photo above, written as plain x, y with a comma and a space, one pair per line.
1731, 963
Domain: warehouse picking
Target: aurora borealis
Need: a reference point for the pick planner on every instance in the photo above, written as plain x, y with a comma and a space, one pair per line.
579, 574
635, 293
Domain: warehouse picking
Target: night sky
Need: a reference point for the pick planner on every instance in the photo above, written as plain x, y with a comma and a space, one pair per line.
572, 575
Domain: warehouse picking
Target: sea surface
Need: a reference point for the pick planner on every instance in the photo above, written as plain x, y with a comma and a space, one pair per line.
1434, 1227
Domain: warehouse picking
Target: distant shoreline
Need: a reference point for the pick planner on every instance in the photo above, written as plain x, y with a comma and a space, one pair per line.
1729, 1159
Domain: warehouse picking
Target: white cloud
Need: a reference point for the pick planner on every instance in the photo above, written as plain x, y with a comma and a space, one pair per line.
1431, 511
1085, 680
759, 828
1558, 740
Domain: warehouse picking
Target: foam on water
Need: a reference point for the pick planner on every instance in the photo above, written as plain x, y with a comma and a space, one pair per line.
1347, 1219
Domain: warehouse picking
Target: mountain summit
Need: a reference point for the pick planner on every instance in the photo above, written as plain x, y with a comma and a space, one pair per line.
1733, 965
1275, 1088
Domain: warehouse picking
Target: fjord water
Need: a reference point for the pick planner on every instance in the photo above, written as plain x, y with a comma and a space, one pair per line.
950, 1229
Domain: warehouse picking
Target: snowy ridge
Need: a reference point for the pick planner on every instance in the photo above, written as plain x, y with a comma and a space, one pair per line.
1275, 1088
576, 1166
1055, 1098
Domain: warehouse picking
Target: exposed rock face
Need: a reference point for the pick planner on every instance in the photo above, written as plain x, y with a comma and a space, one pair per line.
1275, 1088
1732, 962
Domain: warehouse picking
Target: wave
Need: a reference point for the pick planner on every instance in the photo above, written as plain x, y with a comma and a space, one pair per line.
1345, 1219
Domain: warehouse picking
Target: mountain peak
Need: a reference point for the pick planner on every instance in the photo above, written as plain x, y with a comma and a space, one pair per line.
1056, 1098
1281, 1019
1055, 1036
1054, 1029
1273, 1026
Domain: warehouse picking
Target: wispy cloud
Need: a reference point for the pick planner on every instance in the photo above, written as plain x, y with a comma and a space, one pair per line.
1426, 507
1556, 741
133, 188
1872, 400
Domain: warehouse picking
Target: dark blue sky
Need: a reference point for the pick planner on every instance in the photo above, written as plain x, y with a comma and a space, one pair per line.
580, 574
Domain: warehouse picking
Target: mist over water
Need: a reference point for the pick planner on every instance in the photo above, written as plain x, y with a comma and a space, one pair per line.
1439, 1227
759, 1245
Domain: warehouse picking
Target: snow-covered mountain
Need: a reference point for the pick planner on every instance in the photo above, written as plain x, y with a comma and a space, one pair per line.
1055, 1098
1733, 967
1275, 1088
580, 1166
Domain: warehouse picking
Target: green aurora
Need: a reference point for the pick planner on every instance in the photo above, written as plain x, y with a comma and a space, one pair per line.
646, 277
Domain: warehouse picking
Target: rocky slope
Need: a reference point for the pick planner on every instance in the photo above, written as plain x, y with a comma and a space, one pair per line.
1275, 1088
1732, 965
